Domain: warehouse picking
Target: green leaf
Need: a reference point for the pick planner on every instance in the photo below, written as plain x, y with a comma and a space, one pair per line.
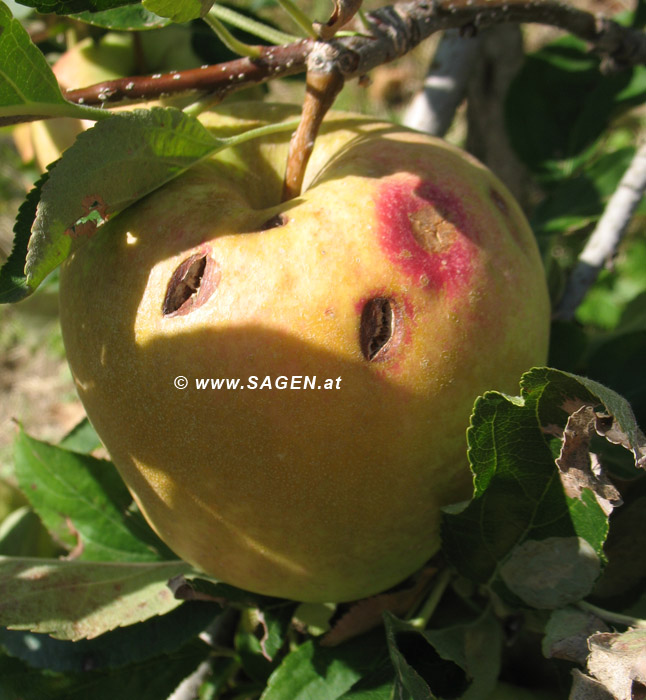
81, 438
22, 535
123, 646
521, 495
70, 7
81, 600
82, 501
325, 673
260, 636
179, 10
553, 136
126, 18
27, 84
149, 680
13, 281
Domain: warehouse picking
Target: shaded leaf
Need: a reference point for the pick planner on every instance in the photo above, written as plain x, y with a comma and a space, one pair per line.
368, 613
79, 600
551, 573
222, 593
567, 632
149, 680
82, 501
70, 7
120, 647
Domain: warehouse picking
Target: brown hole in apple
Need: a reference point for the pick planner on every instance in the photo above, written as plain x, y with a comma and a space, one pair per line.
376, 328
275, 222
193, 282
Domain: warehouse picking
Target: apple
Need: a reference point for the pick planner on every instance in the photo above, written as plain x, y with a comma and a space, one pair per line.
361, 319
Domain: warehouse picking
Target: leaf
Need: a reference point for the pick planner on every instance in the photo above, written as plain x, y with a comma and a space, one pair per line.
82, 501
13, 281
259, 656
81, 600
179, 10
108, 168
312, 671
27, 84
81, 438
551, 573
123, 646
149, 680
519, 496
553, 137
457, 661
222, 593
70, 7
125, 18
618, 661
368, 613
567, 632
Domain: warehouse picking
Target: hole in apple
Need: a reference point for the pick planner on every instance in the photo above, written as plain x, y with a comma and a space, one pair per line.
275, 222
377, 328
192, 283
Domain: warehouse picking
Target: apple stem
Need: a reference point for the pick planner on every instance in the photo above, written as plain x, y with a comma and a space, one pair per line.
422, 618
322, 87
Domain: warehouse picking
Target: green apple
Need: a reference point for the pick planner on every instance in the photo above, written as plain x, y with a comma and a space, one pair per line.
371, 311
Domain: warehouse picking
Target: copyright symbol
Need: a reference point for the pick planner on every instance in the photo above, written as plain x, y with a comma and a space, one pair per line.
180, 382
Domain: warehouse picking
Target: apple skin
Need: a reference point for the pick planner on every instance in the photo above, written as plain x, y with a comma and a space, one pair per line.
310, 494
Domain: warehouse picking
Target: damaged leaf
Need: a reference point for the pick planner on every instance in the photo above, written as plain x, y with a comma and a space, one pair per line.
81, 600
578, 467
519, 495
618, 661
368, 613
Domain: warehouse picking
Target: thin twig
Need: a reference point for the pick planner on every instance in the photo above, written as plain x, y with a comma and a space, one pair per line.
604, 241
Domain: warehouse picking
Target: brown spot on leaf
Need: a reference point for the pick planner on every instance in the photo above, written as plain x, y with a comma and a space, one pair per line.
95, 213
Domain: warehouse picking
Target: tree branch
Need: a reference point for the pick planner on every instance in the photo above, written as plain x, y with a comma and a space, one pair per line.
604, 241
433, 108
396, 30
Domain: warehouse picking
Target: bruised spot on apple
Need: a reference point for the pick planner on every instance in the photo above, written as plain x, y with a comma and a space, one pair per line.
423, 230
395, 277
